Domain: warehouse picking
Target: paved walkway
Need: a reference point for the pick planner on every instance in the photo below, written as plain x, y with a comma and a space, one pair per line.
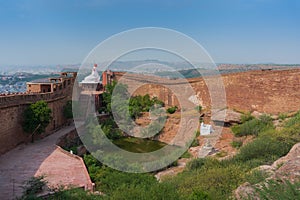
41, 158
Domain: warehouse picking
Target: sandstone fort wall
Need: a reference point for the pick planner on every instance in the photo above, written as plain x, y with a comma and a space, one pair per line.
11, 112
274, 92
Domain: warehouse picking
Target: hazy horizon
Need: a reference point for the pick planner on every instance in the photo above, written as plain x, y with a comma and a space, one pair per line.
79, 64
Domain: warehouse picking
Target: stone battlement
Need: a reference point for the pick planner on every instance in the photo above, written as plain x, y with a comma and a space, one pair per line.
55, 91
47, 89
28, 98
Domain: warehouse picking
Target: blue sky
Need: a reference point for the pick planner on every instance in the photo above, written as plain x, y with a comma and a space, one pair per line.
232, 31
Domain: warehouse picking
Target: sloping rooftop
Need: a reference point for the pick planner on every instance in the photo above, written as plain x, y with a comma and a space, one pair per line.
42, 80
42, 157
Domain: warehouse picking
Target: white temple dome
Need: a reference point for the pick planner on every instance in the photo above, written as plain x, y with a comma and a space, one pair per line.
93, 77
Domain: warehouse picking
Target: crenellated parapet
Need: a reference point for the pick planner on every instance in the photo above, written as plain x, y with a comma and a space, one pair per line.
12, 107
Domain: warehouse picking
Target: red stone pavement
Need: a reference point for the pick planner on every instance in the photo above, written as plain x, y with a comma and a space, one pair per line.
42, 157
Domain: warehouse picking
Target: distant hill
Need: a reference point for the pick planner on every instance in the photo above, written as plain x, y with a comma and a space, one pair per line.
222, 69
156, 67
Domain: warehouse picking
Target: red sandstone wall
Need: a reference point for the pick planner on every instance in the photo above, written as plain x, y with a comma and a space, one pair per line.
264, 91
273, 92
11, 133
161, 92
11, 112
34, 88
104, 78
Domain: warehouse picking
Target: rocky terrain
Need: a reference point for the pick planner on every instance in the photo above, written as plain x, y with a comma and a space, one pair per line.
283, 169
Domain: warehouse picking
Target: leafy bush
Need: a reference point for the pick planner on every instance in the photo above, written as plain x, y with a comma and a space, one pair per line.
215, 181
221, 154
253, 126
279, 190
282, 116
236, 143
110, 180
172, 110
198, 108
290, 132
266, 119
197, 133
36, 118
141, 191
293, 121
102, 109
265, 148
120, 90
195, 143
139, 104
74, 194
196, 195
246, 117
256, 176
186, 155
110, 129
145, 191
236, 129
93, 166
195, 164
33, 186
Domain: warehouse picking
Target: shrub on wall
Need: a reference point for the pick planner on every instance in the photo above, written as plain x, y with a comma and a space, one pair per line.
172, 110
36, 118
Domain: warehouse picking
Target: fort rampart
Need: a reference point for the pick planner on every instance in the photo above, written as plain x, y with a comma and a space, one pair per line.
12, 108
272, 91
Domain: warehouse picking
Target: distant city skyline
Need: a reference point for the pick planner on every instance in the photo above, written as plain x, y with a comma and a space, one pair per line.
44, 32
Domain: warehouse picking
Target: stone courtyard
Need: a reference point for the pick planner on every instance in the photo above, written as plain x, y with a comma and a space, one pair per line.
42, 157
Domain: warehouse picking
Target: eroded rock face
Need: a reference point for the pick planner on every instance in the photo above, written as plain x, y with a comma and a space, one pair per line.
285, 168
245, 191
227, 116
289, 165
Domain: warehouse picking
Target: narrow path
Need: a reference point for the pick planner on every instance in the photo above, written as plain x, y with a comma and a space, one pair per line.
42, 157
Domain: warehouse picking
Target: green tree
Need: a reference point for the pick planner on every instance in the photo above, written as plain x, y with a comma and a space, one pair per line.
36, 118
119, 91
139, 104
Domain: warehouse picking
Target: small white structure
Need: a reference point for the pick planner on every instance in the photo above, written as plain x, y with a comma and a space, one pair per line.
194, 99
93, 78
205, 129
